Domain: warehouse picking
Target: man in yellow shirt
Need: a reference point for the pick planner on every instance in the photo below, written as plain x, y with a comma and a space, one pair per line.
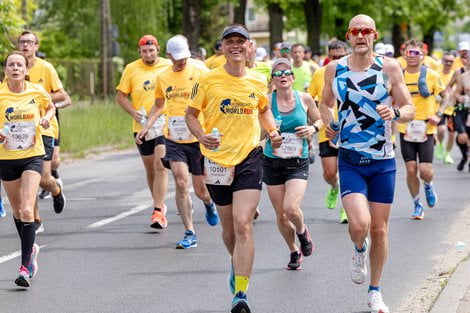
43, 73
217, 59
417, 136
461, 60
233, 102
172, 91
138, 82
446, 72
328, 151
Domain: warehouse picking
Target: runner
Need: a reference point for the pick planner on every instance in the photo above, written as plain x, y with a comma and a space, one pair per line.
462, 117
172, 92
21, 151
138, 82
417, 137
328, 151
233, 103
363, 85
285, 170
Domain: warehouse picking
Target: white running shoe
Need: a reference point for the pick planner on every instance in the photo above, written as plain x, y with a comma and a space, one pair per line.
376, 303
359, 264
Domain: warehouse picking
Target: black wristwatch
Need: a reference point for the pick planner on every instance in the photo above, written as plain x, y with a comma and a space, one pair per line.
397, 114
316, 128
439, 114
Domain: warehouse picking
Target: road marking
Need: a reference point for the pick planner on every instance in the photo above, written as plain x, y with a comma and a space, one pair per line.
13, 255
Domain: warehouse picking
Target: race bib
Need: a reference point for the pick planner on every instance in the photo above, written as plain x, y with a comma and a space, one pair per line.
178, 130
217, 174
416, 131
291, 147
157, 128
22, 136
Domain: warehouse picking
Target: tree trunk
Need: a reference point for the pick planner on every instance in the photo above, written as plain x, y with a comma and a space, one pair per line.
428, 39
276, 23
397, 38
239, 12
191, 22
313, 15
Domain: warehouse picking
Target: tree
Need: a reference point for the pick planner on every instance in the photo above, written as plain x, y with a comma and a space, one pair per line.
276, 23
191, 22
10, 25
239, 12
313, 16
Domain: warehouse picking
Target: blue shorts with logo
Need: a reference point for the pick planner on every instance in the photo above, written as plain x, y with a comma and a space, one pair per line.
375, 179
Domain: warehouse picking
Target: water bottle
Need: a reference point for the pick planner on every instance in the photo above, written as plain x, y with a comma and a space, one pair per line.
335, 126
143, 120
215, 133
5, 131
278, 122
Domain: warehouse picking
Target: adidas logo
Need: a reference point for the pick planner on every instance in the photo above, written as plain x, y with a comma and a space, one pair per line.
40, 80
252, 95
32, 102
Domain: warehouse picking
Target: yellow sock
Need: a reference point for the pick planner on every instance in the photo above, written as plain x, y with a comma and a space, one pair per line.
241, 283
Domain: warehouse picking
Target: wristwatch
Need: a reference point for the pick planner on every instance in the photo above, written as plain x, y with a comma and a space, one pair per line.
439, 114
397, 114
316, 128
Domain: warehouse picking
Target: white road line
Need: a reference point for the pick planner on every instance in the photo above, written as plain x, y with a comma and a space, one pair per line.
13, 255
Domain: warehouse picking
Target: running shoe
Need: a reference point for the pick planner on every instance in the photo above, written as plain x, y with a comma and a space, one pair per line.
44, 194
38, 227
240, 304
331, 198
343, 218
23, 277
295, 263
59, 200
231, 278
359, 264
3, 212
159, 220
418, 213
439, 152
33, 261
189, 240
461, 164
448, 159
257, 213
376, 303
431, 196
211, 214
306, 243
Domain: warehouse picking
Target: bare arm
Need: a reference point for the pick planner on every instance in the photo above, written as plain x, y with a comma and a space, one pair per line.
458, 93
266, 120
399, 92
196, 129
154, 114
328, 100
313, 116
61, 99
44, 121
126, 105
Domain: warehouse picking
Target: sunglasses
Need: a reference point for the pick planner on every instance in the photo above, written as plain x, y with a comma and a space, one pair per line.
413, 53
285, 50
363, 31
448, 61
279, 73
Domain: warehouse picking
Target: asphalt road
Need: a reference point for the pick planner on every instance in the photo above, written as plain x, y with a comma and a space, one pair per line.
100, 255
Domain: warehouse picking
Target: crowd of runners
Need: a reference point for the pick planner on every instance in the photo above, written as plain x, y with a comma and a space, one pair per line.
229, 123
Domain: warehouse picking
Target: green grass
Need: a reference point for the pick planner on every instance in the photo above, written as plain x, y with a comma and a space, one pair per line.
86, 127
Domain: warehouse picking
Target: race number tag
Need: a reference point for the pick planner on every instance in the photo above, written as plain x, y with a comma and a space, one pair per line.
217, 174
178, 130
22, 136
416, 131
157, 128
291, 146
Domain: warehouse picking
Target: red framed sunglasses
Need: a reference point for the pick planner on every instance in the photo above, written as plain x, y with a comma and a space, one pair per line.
363, 31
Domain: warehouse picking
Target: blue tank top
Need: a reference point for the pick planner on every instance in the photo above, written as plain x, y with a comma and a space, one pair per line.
295, 118
358, 93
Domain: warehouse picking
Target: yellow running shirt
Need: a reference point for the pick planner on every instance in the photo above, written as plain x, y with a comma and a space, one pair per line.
231, 104
315, 90
425, 107
21, 112
215, 61
44, 74
138, 81
175, 88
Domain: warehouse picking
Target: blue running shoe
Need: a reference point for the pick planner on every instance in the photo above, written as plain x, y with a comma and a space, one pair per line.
240, 304
3, 213
418, 213
189, 240
431, 196
211, 214
231, 278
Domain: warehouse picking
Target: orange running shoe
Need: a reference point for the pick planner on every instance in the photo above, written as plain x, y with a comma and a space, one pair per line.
159, 220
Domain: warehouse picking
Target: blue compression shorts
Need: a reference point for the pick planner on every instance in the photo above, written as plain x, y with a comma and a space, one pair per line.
376, 181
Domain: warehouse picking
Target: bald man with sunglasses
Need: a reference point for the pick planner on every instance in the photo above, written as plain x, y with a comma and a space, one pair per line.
363, 86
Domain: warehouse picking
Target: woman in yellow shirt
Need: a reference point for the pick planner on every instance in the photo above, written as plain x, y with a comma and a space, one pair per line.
21, 152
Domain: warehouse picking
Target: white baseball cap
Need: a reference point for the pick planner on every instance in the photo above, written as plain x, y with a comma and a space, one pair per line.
389, 49
379, 48
464, 45
178, 47
260, 54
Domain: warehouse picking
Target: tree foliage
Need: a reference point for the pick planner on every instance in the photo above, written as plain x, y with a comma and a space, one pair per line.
10, 25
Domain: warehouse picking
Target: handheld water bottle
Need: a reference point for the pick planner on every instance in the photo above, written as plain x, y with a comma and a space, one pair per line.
143, 120
215, 133
335, 126
278, 121
5, 131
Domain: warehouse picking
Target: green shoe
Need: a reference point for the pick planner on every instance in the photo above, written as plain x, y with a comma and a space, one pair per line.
343, 218
439, 152
331, 198
448, 159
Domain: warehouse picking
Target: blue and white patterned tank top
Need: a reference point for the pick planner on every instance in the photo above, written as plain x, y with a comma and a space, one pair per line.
358, 94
